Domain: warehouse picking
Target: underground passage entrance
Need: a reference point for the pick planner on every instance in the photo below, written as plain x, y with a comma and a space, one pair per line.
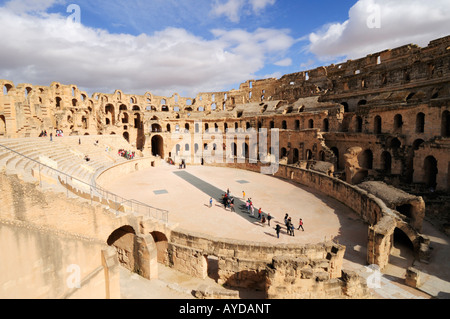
157, 146
402, 252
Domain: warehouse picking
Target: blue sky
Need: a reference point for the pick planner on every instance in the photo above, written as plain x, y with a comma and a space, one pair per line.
192, 46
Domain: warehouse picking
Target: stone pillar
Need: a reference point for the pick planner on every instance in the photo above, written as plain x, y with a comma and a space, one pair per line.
380, 238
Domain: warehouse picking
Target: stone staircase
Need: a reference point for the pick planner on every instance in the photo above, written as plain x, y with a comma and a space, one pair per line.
63, 154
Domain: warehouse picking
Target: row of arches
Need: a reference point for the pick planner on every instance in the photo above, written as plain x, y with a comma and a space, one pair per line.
399, 122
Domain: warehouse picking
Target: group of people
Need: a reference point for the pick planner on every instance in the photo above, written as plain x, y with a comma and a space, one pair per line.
127, 154
43, 134
228, 202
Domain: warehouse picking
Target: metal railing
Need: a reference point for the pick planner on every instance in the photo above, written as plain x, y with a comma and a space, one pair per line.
98, 194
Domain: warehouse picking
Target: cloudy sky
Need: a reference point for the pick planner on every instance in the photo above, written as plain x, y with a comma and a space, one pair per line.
192, 46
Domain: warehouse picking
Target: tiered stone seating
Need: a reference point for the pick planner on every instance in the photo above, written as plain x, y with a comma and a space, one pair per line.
65, 154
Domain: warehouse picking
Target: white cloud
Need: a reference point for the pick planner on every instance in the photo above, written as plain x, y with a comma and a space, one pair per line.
259, 5
30, 6
377, 25
284, 62
234, 9
40, 50
231, 9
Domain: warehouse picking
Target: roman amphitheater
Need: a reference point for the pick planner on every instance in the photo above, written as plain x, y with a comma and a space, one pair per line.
360, 151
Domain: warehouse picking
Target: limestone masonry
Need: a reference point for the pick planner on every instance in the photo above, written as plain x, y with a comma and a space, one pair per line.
373, 133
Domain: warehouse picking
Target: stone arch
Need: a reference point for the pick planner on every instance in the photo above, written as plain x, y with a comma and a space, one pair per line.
158, 146
135, 252
162, 244
2, 125
386, 162
430, 172
366, 159
398, 123
420, 123
126, 136
377, 125
110, 113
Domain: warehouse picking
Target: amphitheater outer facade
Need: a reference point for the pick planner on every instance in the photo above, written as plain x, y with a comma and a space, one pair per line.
342, 129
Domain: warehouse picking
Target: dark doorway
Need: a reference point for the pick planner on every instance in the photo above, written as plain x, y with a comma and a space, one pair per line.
158, 146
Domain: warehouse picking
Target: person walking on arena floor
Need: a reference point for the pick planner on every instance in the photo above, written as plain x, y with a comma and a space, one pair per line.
277, 229
300, 225
210, 202
269, 218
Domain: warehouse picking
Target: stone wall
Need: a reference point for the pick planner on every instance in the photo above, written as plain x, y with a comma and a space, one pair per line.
40, 263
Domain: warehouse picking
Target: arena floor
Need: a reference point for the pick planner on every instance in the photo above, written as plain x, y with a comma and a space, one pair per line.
185, 193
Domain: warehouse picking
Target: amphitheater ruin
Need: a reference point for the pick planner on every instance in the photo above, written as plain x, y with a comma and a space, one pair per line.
369, 138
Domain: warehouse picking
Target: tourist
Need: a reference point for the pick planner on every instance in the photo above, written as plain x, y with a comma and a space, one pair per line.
232, 204
259, 213
247, 205
300, 225
263, 220
286, 219
210, 202
289, 226
277, 229
243, 195
268, 219
51, 137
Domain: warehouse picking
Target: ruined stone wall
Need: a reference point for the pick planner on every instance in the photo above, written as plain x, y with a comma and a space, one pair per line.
244, 265
390, 101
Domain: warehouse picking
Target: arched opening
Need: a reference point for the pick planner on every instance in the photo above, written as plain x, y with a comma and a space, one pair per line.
326, 125
295, 157
156, 128
362, 102
109, 110
162, 243
398, 123
2, 125
309, 155
366, 159
158, 146
431, 171
311, 123
284, 125
402, 251
346, 108
420, 123
58, 102
283, 152
233, 149
377, 125
386, 162
335, 151
123, 240
445, 126
213, 267
358, 124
